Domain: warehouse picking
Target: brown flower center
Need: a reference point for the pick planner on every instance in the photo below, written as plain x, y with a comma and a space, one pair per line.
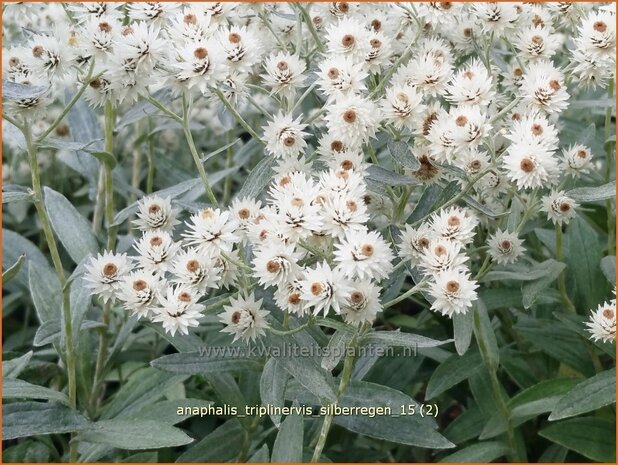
207, 213
298, 202
200, 53
376, 24
289, 141
581, 153
285, 180
282, 65
294, 298
461, 121
128, 30
236, 317
244, 213
234, 38
608, 313
13, 61
156, 241
475, 165
527, 165
110, 269
193, 266
439, 250
554, 84
453, 220
184, 297
356, 297
316, 288
333, 73
518, 72
351, 204
446, 5
105, 27
506, 244
428, 122
537, 129
565, 207
190, 19
599, 26
336, 145
273, 266
467, 32
537, 40
343, 7
469, 74
37, 51
367, 250
348, 40
347, 165
349, 116
154, 209
140, 285
452, 286
375, 43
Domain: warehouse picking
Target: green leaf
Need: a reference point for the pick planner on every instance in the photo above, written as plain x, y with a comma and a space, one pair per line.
15, 245
257, 180
533, 273
17, 91
29, 451
12, 368
591, 437
133, 434
167, 411
399, 339
485, 336
142, 457
482, 452
593, 194
16, 196
22, 419
400, 151
19, 389
105, 158
466, 426
192, 363
46, 293
583, 253
11, 272
407, 429
589, 395
608, 267
385, 177
70, 226
261, 456
453, 371
144, 108
335, 349
462, 329
51, 331
222, 445
288, 445
532, 290
144, 387
306, 370
553, 338
425, 204
272, 387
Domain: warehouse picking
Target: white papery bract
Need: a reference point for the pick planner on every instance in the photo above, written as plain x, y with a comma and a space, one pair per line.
363, 304
212, 231
244, 318
364, 254
559, 207
178, 309
454, 292
505, 247
139, 292
155, 213
105, 274
325, 288
602, 324
156, 250
284, 136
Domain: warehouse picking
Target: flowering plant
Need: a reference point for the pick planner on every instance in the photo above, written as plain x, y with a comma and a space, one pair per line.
342, 231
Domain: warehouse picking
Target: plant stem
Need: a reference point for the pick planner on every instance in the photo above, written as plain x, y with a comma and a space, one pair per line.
405, 295
562, 278
237, 116
55, 256
227, 186
150, 157
609, 161
196, 158
346, 375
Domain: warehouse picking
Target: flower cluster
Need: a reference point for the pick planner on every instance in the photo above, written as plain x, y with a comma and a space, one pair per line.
602, 324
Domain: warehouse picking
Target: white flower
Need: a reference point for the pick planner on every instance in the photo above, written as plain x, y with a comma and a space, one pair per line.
229, 268
353, 118
49, 56
212, 231
179, 309
157, 12
441, 255
496, 17
543, 87
288, 297
105, 273
244, 318
469, 126
284, 136
339, 76
139, 291
241, 46
342, 213
530, 165
199, 64
245, 211
156, 251
577, 159
364, 254
140, 45
597, 34
348, 38
471, 85
363, 304
534, 127
274, 264
455, 224
559, 207
602, 324
414, 241
154, 212
325, 288
454, 292
537, 42
505, 247
199, 270
402, 107
284, 73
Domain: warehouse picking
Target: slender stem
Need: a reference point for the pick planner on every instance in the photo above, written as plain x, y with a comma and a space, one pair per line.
150, 157
55, 256
309, 23
291, 331
196, 158
227, 186
237, 116
99, 203
405, 295
562, 278
346, 375
609, 161
70, 105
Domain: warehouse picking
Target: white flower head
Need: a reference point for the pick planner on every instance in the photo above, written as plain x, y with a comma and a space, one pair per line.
414, 241
530, 165
364, 254
244, 318
560, 208
179, 309
353, 119
442, 255
402, 107
139, 292
577, 159
155, 212
212, 231
505, 247
543, 87
199, 270
156, 251
275, 265
454, 292
455, 224
363, 304
602, 324
105, 273
325, 288
284, 136
284, 73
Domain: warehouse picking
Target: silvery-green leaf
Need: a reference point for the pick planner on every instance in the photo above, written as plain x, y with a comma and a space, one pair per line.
217, 446
388, 178
593, 194
288, 445
453, 371
12, 271
608, 266
16, 91
195, 362
73, 230
144, 108
20, 389
272, 387
462, 328
399, 339
400, 151
257, 180
12, 368
22, 419
46, 293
